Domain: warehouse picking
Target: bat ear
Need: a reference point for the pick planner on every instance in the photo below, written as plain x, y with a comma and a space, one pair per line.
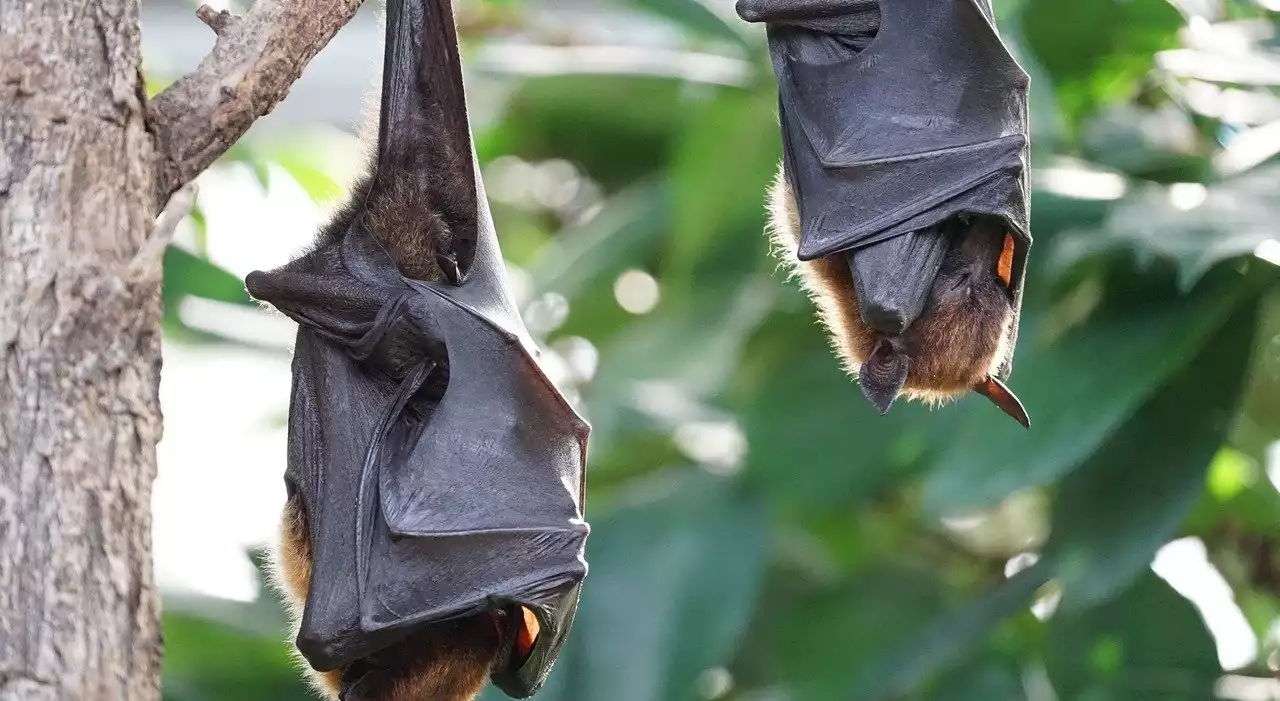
1000, 395
883, 375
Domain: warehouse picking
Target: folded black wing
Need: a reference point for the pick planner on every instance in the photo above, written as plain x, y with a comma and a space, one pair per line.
899, 132
441, 471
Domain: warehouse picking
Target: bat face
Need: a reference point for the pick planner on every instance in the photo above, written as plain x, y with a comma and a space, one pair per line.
956, 341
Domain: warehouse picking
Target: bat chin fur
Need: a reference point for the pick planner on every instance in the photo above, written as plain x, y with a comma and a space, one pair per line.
953, 349
449, 661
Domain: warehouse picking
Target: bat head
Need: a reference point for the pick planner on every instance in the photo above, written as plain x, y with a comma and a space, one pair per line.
949, 345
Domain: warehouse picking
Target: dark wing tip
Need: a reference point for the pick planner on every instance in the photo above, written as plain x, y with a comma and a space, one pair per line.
258, 284
749, 10
1004, 398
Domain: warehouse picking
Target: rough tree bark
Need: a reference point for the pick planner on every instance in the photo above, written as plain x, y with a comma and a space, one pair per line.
85, 164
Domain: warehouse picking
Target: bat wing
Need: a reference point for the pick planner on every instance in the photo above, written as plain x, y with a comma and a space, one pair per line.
441, 470
429, 496
927, 122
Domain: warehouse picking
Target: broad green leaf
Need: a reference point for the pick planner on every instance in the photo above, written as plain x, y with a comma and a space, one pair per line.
718, 188
824, 643
312, 178
673, 582
1195, 226
986, 679
814, 441
1130, 496
206, 660
617, 128
188, 274
903, 668
1080, 388
1096, 50
1149, 644
1159, 144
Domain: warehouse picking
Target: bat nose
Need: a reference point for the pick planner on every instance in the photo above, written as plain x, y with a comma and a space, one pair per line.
891, 320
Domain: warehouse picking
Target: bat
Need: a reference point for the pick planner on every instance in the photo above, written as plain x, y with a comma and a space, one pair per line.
433, 538
902, 196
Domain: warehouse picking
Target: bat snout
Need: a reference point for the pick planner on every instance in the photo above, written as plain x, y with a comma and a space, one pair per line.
891, 320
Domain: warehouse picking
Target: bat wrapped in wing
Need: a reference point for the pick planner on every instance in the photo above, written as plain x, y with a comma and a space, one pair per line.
903, 192
434, 536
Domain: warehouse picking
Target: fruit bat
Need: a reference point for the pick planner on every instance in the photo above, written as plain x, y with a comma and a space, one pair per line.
902, 197
433, 536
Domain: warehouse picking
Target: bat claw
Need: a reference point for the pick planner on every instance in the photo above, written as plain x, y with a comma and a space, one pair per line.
1004, 398
449, 268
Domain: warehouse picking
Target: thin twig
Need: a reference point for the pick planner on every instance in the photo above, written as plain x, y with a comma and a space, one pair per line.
253, 63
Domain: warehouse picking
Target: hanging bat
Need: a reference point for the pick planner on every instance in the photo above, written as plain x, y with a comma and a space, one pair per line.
902, 198
433, 536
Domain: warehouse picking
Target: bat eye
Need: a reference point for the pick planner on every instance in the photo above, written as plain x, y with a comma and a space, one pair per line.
1004, 266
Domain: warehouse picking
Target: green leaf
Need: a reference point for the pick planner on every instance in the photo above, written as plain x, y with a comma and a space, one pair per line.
946, 640
1148, 645
1130, 496
718, 188
1080, 388
1228, 220
207, 661
188, 274
987, 679
310, 176
612, 241
1095, 51
674, 578
825, 642
616, 128
694, 16
689, 349
801, 408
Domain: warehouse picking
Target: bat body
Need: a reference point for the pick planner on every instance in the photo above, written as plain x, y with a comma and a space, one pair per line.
903, 194
434, 534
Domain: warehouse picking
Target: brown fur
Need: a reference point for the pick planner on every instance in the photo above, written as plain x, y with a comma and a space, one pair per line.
447, 661
957, 341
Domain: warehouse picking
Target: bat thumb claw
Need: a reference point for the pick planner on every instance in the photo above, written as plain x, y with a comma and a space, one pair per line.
449, 268
1004, 398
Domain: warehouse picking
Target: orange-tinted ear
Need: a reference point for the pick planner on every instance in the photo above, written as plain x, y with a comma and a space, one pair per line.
1004, 267
1000, 395
528, 635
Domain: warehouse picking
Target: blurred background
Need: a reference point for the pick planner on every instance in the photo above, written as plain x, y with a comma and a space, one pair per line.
758, 532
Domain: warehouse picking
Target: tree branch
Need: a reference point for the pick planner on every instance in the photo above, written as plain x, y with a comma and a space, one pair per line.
253, 63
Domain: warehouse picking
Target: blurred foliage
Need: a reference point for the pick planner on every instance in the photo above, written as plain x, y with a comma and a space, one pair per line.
758, 532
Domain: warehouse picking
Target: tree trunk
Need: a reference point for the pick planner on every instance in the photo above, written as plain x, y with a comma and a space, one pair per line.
79, 355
